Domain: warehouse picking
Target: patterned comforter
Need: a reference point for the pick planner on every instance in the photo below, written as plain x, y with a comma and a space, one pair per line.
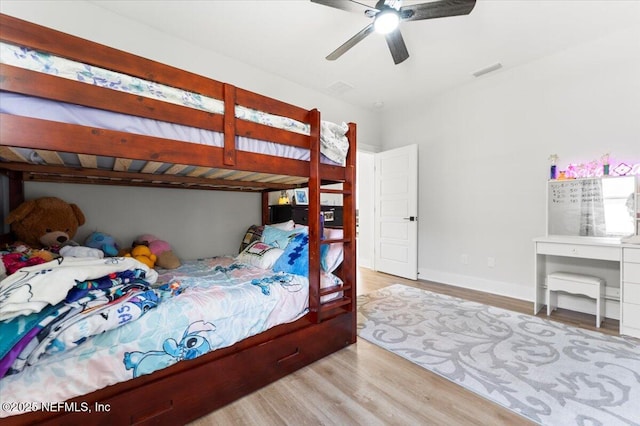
206, 304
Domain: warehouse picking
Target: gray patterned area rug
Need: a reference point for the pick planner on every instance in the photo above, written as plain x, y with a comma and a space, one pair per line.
548, 372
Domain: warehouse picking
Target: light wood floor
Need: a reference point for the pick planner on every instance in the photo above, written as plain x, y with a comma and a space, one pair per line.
366, 385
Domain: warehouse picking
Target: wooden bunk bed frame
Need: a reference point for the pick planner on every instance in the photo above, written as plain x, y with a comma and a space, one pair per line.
188, 389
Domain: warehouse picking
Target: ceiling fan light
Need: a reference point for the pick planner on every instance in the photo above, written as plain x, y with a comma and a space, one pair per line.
386, 21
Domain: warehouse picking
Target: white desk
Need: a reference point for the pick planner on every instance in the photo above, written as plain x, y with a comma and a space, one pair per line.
618, 263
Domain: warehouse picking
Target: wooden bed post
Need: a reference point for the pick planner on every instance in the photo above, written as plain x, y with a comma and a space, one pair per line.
16, 189
314, 214
15, 196
229, 125
265, 208
350, 263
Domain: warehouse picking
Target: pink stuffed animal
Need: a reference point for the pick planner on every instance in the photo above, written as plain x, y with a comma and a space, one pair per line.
165, 257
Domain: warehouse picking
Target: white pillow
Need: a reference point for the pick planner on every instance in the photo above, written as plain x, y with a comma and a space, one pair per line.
260, 255
327, 279
285, 226
334, 256
334, 130
334, 143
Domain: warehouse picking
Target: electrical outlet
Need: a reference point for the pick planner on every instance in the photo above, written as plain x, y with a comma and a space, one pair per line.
491, 262
464, 259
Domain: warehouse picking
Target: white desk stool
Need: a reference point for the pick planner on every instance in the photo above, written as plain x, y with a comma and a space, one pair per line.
585, 285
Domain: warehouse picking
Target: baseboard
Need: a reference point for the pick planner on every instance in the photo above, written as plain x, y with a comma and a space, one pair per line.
499, 288
518, 291
365, 263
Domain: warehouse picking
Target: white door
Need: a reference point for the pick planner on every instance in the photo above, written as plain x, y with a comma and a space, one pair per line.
396, 212
366, 206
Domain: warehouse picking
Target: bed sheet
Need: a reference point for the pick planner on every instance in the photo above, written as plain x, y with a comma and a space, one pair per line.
207, 304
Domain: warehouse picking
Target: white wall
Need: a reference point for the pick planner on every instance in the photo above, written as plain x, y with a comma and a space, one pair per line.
137, 211
196, 223
484, 150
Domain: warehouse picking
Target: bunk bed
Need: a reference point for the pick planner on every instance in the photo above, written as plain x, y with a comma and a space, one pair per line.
38, 148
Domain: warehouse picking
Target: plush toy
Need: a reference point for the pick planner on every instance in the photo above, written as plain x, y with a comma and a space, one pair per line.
28, 252
165, 257
18, 255
50, 223
45, 222
143, 254
102, 241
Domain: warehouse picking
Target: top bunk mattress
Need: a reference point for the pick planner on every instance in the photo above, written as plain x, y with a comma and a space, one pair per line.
334, 144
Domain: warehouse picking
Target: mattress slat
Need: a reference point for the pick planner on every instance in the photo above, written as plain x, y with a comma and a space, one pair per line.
269, 178
175, 169
151, 167
88, 161
121, 164
219, 173
50, 157
239, 176
199, 171
10, 154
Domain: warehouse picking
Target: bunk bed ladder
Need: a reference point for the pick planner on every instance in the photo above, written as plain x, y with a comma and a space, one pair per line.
347, 272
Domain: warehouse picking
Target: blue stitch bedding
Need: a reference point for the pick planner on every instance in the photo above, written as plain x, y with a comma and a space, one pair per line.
207, 304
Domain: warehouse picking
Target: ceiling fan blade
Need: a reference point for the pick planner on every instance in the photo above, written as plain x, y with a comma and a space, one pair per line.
351, 42
436, 9
397, 47
347, 5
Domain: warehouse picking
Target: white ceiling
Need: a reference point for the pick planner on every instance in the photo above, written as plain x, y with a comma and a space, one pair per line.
291, 38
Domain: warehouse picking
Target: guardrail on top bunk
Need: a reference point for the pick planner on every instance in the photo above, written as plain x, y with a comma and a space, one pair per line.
45, 135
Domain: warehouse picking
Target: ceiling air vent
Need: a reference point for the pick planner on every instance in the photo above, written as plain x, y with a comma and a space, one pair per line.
339, 88
488, 69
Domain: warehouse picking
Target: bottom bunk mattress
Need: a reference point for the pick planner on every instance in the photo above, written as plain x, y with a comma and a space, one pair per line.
206, 304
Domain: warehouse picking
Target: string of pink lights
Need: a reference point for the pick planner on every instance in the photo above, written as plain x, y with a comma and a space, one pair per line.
596, 168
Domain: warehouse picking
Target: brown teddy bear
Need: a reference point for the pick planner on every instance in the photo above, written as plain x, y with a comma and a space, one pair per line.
45, 222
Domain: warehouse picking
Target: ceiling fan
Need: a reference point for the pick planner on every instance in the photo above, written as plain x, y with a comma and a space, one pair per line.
387, 15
